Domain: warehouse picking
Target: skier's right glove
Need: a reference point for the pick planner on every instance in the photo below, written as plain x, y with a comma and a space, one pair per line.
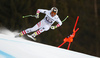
37, 15
53, 27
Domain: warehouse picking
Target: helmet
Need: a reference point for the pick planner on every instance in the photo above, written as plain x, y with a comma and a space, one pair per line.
54, 11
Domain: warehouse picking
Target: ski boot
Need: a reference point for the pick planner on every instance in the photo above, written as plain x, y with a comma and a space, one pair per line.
33, 36
19, 35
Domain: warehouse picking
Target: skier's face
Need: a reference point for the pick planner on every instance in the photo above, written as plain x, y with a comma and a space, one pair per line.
53, 14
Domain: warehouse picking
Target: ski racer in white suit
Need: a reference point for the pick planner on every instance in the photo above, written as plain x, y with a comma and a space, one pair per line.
45, 24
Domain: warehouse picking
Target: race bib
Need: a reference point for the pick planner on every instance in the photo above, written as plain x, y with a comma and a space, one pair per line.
48, 19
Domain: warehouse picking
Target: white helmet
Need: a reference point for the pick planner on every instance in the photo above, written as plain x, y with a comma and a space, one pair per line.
54, 9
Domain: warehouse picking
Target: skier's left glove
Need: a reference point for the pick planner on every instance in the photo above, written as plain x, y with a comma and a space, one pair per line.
53, 27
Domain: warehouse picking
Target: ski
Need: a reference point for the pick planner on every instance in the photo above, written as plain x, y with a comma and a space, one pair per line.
31, 37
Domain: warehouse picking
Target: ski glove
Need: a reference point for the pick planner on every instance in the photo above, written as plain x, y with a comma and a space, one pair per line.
37, 15
53, 27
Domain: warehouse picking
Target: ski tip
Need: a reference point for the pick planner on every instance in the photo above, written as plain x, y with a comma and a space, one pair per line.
31, 37
16, 36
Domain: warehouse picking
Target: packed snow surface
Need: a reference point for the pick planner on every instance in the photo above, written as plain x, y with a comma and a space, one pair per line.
11, 47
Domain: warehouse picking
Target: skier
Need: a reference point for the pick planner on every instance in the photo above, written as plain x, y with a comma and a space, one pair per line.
45, 24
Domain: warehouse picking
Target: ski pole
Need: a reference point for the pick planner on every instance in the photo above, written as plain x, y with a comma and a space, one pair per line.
28, 16
64, 19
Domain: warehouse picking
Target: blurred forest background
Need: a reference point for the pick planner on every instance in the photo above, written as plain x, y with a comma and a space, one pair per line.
87, 39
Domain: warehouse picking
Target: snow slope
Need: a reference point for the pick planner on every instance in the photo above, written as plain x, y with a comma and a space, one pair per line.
11, 47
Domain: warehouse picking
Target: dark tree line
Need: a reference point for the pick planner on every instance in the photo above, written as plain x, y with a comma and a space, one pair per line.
87, 39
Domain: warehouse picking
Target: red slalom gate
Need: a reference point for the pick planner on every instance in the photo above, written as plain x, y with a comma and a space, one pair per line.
70, 38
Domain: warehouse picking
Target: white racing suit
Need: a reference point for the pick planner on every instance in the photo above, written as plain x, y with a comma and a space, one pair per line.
45, 23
